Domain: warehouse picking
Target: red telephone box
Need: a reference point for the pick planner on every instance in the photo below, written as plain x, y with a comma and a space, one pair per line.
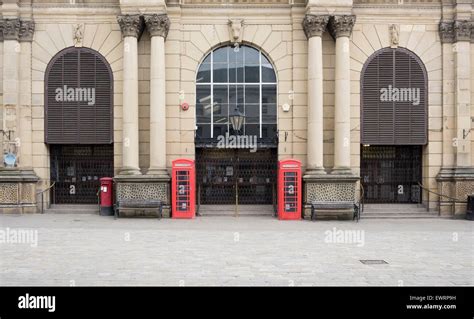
289, 189
106, 196
183, 189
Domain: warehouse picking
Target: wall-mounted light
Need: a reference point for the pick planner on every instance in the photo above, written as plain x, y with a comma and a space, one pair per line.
285, 107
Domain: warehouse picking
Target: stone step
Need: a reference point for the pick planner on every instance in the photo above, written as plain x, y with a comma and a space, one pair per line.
398, 216
229, 210
72, 209
394, 208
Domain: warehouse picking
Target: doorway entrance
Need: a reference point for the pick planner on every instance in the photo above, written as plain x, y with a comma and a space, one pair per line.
222, 175
77, 170
390, 174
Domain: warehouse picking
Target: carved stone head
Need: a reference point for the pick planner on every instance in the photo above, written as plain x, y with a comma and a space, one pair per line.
235, 29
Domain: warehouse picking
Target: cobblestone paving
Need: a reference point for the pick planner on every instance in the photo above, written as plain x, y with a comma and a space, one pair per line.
90, 250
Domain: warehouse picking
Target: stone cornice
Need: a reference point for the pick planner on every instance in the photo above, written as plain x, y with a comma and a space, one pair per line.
341, 25
315, 25
157, 24
131, 25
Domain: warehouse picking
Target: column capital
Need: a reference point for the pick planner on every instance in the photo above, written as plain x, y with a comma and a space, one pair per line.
27, 29
462, 30
10, 29
315, 25
157, 24
341, 25
130, 24
446, 31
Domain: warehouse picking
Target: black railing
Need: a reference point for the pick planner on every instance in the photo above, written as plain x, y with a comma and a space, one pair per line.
50, 187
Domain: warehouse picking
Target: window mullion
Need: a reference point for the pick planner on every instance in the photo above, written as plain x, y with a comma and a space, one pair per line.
212, 94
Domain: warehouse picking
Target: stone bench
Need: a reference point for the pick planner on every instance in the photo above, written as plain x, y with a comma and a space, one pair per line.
334, 206
138, 207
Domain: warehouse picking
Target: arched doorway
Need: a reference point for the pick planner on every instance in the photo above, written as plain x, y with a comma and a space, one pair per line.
79, 123
394, 114
236, 82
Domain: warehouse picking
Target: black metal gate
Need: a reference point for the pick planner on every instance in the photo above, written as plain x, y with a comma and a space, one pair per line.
223, 172
76, 169
390, 174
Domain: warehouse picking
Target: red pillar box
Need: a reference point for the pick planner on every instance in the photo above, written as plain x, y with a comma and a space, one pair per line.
289, 189
106, 196
183, 189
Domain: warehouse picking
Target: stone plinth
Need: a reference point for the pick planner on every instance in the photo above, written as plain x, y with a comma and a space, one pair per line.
18, 191
456, 183
329, 188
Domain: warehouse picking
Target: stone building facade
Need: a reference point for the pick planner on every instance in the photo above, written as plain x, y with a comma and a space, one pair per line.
319, 51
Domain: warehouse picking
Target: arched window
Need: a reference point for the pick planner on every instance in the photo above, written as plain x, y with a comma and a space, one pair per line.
78, 98
236, 78
394, 99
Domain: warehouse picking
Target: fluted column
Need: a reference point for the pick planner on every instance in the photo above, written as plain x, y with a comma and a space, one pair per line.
131, 26
314, 26
158, 27
341, 27
462, 59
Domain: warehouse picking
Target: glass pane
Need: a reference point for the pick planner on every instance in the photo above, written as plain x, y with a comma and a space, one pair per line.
268, 75
265, 60
252, 94
236, 94
220, 72
252, 129
221, 110
219, 129
203, 104
203, 131
252, 113
236, 73
269, 130
236, 54
251, 73
207, 59
220, 94
221, 55
252, 56
204, 73
269, 94
269, 113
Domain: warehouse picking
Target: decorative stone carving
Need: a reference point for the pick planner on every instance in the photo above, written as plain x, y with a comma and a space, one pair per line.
315, 25
78, 34
394, 35
11, 29
157, 24
131, 25
462, 30
236, 30
446, 31
27, 29
341, 26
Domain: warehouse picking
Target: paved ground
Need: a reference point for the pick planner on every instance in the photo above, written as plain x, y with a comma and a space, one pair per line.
88, 250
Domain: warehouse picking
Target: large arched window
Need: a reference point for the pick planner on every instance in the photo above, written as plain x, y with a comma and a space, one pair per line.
236, 78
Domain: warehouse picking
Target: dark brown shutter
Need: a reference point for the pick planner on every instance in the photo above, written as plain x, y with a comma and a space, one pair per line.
393, 122
77, 122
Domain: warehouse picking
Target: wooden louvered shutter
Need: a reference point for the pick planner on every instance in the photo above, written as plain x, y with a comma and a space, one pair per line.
77, 122
393, 122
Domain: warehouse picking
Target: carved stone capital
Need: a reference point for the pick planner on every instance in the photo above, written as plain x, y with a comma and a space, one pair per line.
157, 24
11, 29
27, 29
446, 31
131, 25
315, 25
462, 30
341, 26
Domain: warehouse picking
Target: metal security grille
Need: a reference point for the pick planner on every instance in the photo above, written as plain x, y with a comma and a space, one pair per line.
221, 171
76, 169
394, 99
390, 174
78, 98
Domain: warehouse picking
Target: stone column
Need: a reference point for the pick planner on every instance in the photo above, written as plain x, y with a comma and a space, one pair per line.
314, 26
462, 62
131, 26
341, 27
158, 26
